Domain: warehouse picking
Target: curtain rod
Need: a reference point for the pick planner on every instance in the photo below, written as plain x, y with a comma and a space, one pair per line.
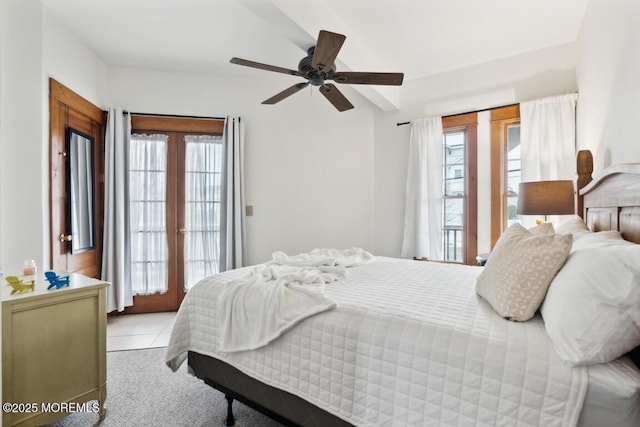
468, 112
172, 115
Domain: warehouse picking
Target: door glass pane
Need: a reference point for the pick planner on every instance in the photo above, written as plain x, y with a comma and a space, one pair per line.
514, 172
512, 216
454, 180
454, 163
203, 172
454, 191
454, 147
148, 207
453, 220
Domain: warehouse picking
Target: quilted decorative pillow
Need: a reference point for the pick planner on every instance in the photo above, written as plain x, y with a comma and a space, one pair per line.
519, 270
592, 308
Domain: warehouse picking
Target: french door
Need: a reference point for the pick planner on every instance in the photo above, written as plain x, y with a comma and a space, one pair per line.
175, 172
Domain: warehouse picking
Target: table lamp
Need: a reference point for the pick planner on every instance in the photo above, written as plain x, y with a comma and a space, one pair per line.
546, 198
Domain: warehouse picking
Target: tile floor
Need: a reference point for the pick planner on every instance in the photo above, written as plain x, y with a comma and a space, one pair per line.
136, 331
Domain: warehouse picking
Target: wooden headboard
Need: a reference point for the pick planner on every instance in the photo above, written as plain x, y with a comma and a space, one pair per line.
611, 201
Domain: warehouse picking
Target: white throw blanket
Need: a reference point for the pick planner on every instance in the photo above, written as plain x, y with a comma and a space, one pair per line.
259, 307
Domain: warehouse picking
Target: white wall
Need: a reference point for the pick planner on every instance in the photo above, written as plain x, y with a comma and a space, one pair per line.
484, 182
309, 168
22, 153
609, 104
34, 47
518, 78
68, 60
511, 80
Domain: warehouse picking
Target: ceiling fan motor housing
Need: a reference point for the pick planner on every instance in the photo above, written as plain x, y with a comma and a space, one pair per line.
315, 76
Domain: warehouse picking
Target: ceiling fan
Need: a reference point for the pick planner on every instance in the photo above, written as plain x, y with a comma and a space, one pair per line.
318, 67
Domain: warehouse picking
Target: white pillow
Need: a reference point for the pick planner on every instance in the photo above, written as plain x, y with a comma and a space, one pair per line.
592, 308
519, 270
599, 239
571, 224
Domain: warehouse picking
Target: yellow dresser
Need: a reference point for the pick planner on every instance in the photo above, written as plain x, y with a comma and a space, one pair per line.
53, 351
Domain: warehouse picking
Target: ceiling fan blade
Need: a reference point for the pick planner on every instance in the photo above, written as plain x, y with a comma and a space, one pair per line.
267, 67
327, 49
364, 78
335, 97
285, 93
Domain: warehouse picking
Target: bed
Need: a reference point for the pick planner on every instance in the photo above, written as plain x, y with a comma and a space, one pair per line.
397, 352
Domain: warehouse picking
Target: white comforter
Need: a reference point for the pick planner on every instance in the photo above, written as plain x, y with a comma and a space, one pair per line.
409, 344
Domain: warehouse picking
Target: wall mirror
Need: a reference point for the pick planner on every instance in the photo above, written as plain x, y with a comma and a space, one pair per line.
80, 191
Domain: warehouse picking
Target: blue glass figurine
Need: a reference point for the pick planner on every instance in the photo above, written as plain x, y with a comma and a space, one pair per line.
55, 280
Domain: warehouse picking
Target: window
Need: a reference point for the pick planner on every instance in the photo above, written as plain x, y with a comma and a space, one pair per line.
459, 207
505, 168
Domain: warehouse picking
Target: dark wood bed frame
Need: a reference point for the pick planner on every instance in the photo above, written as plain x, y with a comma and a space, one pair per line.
611, 201
608, 201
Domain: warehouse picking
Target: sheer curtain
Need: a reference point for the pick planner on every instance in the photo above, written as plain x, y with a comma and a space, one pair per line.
203, 181
422, 237
232, 221
115, 250
148, 208
548, 138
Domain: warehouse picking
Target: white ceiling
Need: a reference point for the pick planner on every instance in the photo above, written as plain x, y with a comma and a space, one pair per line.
417, 37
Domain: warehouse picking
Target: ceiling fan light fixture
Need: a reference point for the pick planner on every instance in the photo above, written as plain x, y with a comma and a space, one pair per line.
316, 79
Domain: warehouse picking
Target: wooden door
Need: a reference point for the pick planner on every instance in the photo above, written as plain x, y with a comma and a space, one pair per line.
69, 110
171, 133
155, 280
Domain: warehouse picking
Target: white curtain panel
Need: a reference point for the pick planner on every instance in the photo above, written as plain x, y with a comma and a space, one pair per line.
422, 237
548, 138
548, 141
232, 220
115, 250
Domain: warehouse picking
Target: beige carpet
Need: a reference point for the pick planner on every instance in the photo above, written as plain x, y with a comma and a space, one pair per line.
143, 391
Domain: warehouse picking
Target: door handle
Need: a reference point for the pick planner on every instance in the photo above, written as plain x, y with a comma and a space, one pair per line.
182, 230
65, 238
